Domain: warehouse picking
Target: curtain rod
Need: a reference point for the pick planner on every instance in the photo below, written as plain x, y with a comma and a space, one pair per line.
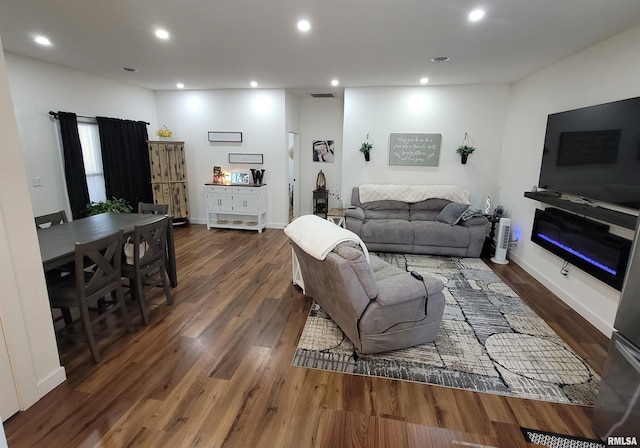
55, 115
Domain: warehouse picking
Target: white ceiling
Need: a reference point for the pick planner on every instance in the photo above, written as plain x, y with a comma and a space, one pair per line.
219, 44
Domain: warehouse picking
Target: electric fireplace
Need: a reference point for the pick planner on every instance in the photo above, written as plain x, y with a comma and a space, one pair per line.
586, 244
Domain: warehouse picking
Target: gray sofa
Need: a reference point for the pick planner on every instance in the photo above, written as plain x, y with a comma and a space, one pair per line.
378, 306
415, 227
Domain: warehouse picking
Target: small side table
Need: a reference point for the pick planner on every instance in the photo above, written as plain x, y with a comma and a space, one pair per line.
320, 202
336, 216
489, 248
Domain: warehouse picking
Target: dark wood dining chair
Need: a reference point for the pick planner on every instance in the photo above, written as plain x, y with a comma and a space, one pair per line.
98, 292
158, 209
42, 222
147, 266
51, 219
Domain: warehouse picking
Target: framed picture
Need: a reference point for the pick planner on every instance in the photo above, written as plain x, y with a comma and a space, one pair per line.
414, 149
232, 137
323, 151
245, 158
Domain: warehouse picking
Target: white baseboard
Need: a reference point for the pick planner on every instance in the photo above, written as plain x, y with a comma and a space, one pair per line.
272, 225
594, 320
52, 381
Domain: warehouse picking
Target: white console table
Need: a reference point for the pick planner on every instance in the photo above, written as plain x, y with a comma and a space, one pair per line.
236, 206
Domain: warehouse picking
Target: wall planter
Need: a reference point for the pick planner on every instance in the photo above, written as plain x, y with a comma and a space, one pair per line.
366, 148
465, 149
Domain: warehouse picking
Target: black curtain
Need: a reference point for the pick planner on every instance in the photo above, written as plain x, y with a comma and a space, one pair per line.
125, 159
73, 164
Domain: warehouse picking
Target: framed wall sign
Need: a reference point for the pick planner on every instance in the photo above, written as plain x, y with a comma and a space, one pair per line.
218, 136
245, 158
414, 149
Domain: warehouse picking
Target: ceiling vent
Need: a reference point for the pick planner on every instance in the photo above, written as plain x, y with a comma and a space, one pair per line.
322, 95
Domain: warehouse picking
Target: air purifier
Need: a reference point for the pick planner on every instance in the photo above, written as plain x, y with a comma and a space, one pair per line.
502, 242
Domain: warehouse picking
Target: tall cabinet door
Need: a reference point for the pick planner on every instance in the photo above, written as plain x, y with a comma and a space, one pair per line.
169, 177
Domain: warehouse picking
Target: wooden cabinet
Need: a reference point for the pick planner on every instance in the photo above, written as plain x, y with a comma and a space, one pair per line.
320, 202
169, 177
236, 206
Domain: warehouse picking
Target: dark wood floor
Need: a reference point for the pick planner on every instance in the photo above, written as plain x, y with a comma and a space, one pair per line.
214, 370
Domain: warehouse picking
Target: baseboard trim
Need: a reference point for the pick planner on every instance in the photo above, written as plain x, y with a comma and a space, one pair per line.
594, 320
49, 383
272, 225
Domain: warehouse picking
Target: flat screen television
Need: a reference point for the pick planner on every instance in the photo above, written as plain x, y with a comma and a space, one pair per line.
594, 153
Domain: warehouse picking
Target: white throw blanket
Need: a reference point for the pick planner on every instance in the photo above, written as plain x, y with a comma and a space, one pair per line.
318, 237
413, 193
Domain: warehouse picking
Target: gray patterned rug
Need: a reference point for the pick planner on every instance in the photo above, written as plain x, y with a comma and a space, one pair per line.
489, 341
554, 440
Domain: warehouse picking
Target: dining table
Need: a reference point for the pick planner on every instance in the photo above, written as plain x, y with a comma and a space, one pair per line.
57, 243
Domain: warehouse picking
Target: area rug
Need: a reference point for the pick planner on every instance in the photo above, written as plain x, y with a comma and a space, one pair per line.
489, 341
553, 440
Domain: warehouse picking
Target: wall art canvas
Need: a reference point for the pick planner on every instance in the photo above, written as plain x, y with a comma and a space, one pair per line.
323, 151
414, 149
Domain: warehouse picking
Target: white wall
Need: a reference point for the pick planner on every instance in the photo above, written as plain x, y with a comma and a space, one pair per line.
321, 120
606, 72
38, 87
258, 114
450, 111
24, 305
3, 440
292, 112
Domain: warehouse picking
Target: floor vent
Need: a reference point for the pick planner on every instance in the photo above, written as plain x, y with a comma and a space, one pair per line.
322, 95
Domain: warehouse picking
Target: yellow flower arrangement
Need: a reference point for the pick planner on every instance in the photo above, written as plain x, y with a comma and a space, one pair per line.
164, 132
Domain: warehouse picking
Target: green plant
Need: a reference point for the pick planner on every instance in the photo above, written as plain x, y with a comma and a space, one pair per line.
465, 150
110, 205
366, 147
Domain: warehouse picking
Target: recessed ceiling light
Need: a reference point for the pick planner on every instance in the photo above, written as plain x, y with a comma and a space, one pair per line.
476, 14
180, 85
335, 82
129, 69
41, 40
304, 25
424, 80
253, 84
162, 34
439, 59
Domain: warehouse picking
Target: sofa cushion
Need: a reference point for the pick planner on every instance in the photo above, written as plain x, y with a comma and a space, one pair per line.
423, 215
385, 205
434, 233
430, 204
452, 213
361, 267
383, 270
387, 214
400, 231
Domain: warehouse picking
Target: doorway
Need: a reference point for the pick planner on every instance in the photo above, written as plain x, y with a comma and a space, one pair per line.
293, 174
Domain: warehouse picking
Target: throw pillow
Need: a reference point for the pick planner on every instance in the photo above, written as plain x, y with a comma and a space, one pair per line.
471, 212
452, 213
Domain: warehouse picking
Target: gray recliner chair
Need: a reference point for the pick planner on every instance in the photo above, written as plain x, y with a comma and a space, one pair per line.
378, 306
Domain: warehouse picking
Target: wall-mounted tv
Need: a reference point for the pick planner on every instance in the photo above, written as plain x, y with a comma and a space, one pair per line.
594, 153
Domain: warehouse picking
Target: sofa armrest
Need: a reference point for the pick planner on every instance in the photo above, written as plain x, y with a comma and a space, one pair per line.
355, 212
475, 221
405, 288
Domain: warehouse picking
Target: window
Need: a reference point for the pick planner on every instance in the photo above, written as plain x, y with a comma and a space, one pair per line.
92, 155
